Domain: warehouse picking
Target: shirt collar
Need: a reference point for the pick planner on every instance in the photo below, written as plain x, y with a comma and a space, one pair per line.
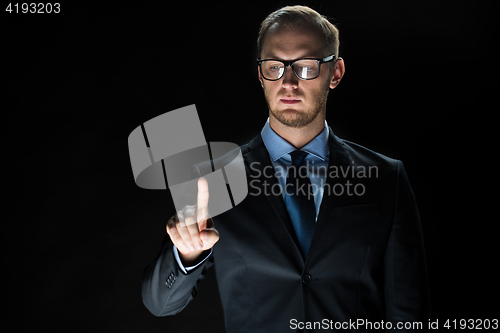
277, 146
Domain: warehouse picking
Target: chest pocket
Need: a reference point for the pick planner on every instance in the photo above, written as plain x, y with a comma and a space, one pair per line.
357, 217
357, 209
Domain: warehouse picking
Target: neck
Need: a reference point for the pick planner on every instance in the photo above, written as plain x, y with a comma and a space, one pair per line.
298, 137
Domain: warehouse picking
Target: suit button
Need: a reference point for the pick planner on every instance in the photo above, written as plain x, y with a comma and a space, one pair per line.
306, 278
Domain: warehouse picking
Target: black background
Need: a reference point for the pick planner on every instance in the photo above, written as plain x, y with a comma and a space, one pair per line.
78, 232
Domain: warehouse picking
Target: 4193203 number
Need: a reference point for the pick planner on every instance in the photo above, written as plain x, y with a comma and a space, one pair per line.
33, 8
472, 324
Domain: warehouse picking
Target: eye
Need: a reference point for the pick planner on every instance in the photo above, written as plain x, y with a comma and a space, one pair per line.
274, 66
308, 68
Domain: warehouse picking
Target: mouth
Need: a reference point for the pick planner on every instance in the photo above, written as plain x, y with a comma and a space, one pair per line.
290, 100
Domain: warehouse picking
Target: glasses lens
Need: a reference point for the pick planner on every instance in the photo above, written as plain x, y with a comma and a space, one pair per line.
272, 70
306, 69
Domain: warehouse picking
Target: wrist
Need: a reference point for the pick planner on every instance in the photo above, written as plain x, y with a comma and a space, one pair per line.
192, 258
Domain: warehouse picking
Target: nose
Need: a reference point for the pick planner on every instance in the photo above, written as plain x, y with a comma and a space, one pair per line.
290, 80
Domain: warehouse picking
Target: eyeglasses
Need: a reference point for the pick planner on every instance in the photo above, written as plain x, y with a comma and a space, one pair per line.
304, 69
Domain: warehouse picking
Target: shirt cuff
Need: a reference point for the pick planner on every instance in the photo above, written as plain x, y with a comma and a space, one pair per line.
185, 270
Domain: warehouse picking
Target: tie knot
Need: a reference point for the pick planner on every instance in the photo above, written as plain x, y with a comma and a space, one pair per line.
298, 156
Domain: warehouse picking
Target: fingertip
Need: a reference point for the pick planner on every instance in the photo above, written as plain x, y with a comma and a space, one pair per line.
203, 194
202, 183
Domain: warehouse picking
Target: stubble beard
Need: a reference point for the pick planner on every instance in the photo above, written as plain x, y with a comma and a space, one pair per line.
299, 119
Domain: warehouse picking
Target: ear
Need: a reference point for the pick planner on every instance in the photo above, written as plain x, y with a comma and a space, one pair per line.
338, 72
260, 77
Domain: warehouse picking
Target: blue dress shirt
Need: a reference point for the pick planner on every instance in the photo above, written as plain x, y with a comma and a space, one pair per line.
316, 161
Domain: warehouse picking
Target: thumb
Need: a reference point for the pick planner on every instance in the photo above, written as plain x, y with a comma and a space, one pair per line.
209, 236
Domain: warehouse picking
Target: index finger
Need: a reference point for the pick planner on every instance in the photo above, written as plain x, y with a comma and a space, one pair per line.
202, 201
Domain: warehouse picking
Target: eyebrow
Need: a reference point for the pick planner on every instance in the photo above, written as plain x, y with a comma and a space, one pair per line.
272, 56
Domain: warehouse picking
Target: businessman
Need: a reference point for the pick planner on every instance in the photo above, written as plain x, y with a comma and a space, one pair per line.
329, 236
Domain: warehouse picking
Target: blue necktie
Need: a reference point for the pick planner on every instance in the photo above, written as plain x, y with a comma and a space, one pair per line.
300, 200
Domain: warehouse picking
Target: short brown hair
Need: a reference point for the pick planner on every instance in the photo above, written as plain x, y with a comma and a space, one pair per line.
296, 16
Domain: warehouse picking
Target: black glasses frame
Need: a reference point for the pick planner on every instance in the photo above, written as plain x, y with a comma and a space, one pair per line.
290, 64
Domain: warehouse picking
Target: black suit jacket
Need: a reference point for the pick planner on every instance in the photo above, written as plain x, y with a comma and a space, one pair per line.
366, 259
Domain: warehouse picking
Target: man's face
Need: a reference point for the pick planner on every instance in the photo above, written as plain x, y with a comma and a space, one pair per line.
292, 101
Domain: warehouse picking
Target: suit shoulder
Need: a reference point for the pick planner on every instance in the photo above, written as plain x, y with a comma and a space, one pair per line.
245, 149
364, 155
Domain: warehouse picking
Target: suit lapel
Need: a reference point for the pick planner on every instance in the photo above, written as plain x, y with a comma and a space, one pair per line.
338, 157
260, 167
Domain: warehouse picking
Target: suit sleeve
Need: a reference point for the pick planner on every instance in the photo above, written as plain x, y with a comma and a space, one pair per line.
166, 290
406, 284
